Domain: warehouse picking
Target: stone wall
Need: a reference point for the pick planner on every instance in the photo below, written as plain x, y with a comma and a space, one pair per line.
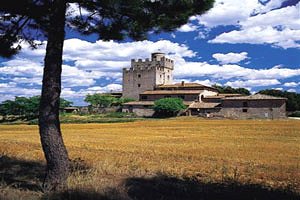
140, 111
263, 109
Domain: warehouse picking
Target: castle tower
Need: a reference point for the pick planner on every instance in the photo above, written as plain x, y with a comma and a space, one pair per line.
146, 74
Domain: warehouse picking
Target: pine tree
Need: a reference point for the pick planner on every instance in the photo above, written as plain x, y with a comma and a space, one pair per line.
33, 20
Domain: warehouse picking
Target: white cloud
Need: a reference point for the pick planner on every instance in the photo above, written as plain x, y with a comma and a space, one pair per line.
230, 57
287, 17
187, 28
286, 38
229, 71
291, 84
291, 90
228, 12
256, 23
253, 83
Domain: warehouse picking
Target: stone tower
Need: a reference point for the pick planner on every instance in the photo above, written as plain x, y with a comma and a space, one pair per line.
146, 74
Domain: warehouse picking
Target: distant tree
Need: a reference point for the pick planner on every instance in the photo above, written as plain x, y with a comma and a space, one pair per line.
121, 101
100, 100
168, 107
105, 100
293, 99
25, 20
230, 90
25, 107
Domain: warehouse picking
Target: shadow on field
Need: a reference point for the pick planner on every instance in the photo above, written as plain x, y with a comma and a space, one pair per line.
21, 174
27, 176
169, 188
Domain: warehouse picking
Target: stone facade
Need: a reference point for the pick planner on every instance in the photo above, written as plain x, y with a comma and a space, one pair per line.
249, 109
146, 74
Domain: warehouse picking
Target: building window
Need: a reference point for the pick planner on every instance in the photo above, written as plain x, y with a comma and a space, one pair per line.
146, 106
144, 97
160, 76
139, 75
139, 85
245, 104
167, 96
245, 110
168, 77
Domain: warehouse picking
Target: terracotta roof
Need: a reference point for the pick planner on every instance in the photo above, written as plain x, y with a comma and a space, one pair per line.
254, 97
150, 92
220, 96
140, 103
184, 85
151, 103
203, 105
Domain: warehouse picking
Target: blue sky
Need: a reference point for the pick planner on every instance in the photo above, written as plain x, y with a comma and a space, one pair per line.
250, 43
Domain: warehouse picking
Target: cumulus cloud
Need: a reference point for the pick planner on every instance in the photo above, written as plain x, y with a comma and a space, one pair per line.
276, 22
286, 38
291, 84
228, 12
230, 57
230, 71
252, 83
187, 28
291, 90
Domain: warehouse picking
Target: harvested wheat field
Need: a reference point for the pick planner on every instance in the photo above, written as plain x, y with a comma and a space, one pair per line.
180, 158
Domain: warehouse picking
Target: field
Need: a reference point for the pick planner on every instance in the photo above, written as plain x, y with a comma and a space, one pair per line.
180, 158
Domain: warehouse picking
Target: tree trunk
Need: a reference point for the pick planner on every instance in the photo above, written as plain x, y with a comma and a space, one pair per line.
51, 138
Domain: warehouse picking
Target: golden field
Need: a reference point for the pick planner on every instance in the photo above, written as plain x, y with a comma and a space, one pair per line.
264, 154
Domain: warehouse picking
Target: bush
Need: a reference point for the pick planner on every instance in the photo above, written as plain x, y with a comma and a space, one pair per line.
295, 114
168, 107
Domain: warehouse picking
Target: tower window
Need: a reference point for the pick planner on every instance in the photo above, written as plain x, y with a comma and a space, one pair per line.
168, 77
139, 85
139, 75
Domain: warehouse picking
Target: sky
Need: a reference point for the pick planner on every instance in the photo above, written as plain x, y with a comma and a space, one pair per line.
253, 44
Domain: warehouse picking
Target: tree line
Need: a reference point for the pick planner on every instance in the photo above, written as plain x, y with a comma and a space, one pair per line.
25, 107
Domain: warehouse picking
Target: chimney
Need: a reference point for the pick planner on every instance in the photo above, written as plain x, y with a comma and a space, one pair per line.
182, 83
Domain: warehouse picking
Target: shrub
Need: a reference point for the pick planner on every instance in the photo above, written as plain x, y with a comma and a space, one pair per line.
168, 107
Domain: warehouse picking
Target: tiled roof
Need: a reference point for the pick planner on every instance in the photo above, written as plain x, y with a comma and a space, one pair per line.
151, 103
254, 97
184, 85
203, 105
151, 92
220, 96
140, 103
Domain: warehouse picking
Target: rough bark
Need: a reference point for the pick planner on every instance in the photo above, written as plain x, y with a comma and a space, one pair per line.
50, 133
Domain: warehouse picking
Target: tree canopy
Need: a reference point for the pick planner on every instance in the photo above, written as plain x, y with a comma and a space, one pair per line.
105, 100
230, 90
26, 107
168, 107
26, 20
